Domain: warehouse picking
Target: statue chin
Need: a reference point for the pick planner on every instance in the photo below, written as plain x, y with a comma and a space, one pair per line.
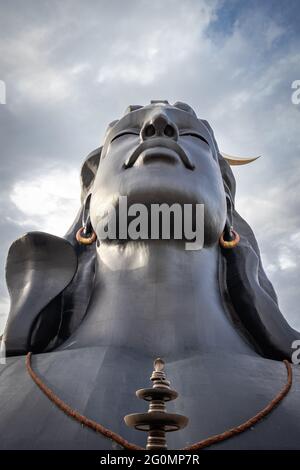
159, 184
103, 214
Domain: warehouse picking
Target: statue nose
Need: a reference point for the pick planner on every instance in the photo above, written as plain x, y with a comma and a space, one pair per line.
159, 126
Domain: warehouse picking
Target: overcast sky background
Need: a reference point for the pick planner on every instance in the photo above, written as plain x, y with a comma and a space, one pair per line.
71, 67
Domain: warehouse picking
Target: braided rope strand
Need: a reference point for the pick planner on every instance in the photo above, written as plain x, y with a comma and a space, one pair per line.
97, 427
250, 422
74, 414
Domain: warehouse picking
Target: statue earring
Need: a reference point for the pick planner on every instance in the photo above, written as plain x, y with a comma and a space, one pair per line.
86, 235
232, 242
83, 238
229, 238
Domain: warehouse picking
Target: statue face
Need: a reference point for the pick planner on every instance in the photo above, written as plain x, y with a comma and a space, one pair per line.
160, 154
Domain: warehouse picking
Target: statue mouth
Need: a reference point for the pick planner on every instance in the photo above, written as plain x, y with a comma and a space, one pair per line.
158, 155
159, 149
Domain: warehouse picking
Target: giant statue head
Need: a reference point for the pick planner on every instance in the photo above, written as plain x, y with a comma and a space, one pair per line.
51, 279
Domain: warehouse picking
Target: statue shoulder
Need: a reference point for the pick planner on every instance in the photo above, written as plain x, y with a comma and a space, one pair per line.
39, 266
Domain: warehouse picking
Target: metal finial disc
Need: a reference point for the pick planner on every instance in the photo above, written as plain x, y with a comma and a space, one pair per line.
159, 365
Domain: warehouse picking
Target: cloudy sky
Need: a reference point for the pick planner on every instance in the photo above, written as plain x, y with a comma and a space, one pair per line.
70, 67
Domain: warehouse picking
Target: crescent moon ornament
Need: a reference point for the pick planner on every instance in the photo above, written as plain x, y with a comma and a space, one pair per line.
233, 160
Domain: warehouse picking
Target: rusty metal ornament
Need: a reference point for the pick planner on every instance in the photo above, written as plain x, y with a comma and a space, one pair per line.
157, 422
85, 240
86, 235
228, 244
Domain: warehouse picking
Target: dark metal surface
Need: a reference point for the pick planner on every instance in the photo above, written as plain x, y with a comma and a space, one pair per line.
94, 314
215, 391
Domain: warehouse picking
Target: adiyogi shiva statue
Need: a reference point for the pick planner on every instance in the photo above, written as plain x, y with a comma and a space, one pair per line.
94, 313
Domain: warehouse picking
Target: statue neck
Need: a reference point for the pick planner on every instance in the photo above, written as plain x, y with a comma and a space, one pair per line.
157, 298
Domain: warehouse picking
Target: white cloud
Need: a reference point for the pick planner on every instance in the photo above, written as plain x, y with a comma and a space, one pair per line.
49, 203
273, 32
35, 76
152, 52
286, 260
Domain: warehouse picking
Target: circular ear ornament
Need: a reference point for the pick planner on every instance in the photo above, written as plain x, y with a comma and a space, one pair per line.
228, 244
83, 240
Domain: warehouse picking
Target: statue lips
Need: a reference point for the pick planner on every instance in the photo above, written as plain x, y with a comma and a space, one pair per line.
159, 154
162, 148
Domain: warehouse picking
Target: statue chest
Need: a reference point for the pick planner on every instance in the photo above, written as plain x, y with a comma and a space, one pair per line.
216, 392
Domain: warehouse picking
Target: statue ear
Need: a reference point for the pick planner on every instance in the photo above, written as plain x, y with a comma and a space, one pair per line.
88, 172
39, 267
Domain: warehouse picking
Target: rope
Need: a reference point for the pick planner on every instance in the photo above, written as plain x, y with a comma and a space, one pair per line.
74, 414
97, 427
250, 422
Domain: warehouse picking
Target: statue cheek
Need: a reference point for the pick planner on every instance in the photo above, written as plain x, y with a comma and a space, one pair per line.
94, 213
101, 205
214, 221
212, 194
119, 151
